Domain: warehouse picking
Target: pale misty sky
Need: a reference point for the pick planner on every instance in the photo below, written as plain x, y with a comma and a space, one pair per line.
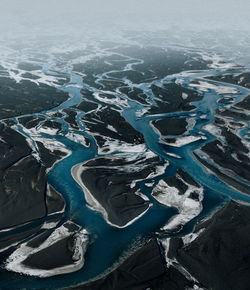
58, 16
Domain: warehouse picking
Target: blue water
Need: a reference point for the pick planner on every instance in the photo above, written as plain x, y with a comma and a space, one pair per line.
108, 243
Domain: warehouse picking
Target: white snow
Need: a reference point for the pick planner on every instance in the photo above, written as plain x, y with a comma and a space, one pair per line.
159, 170
189, 238
14, 261
50, 225
215, 131
182, 141
133, 184
173, 155
49, 194
46, 130
143, 196
204, 86
218, 61
191, 123
14, 72
77, 138
111, 128
141, 112
184, 96
170, 196
173, 261
114, 99
111, 145
34, 135
149, 184
2, 140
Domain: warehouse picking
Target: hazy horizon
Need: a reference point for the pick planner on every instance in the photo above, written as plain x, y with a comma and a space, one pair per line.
53, 17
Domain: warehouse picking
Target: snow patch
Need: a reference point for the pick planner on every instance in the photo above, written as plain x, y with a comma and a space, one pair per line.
174, 263
188, 207
15, 260
111, 128
189, 238
182, 141
77, 138
184, 96
173, 155
219, 89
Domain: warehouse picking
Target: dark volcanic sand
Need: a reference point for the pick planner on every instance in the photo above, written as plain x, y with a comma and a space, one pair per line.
54, 256
23, 182
26, 97
219, 258
110, 185
171, 126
